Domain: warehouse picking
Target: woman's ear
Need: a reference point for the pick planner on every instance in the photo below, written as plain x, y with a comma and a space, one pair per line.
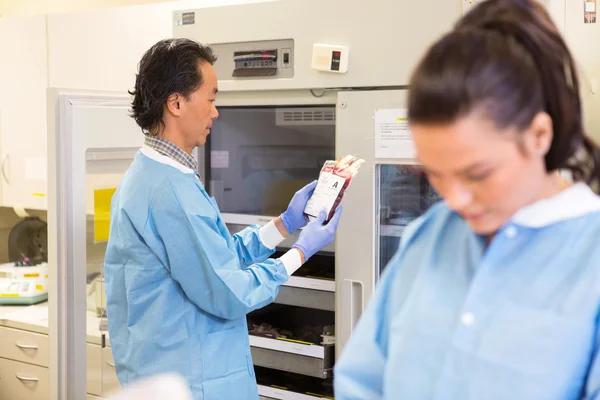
537, 139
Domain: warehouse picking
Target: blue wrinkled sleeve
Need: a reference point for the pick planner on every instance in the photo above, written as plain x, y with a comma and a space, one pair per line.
249, 247
199, 257
592, 391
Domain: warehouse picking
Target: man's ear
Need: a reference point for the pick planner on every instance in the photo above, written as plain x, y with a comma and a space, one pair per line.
173, 104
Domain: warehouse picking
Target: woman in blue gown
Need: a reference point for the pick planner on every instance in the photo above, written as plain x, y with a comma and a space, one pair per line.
495, 292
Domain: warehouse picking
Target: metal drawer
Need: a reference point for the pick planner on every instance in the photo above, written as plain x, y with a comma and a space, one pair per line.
316, 361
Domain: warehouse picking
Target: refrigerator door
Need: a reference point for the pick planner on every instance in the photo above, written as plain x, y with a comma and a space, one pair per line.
389, 191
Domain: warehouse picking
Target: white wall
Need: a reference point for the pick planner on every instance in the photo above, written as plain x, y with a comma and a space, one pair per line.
23, 81
17, 7
101, 49
584, 42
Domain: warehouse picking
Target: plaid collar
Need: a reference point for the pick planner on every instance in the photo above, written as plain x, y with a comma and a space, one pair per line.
172, 151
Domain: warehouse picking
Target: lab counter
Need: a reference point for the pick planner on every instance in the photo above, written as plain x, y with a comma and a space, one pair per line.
35, 319
24, 355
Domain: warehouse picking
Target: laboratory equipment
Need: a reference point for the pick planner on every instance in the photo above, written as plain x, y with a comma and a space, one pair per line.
330, 58
22, 283
280, 120
24, 280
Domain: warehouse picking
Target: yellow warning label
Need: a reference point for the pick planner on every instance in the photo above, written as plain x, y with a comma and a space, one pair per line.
321, 396
39, 287
294, 341
102, 199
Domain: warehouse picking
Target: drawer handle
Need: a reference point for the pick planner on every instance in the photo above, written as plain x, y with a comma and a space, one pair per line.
26, 379
27, 346
4, 173
111, 364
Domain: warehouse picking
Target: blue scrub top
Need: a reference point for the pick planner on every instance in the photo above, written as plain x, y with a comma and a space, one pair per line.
455, 319
179, 285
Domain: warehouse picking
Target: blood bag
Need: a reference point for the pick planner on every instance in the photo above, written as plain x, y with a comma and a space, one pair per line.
334, 179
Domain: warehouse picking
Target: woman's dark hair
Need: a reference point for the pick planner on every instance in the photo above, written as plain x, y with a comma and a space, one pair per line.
168, 67
507, 59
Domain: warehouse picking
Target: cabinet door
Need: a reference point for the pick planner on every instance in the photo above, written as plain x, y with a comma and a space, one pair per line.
110, 382
388, 193
23, 81
94, 369
102, 139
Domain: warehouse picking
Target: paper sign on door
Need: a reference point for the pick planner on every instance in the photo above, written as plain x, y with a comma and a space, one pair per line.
393, 138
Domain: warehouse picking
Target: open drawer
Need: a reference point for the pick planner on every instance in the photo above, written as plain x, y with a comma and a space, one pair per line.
313, 285
293, 339
273, 384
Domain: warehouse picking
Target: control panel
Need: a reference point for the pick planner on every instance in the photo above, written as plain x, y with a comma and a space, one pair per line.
255, 60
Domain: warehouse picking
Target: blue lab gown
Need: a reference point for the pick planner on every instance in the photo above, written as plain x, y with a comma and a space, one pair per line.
179, 286
454, 320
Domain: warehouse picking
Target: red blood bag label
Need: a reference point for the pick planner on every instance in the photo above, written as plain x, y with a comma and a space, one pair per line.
325, 194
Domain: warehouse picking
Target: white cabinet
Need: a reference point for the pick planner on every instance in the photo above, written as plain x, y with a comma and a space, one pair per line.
94, 369
101, 49
23, 82
24, 360
110, 382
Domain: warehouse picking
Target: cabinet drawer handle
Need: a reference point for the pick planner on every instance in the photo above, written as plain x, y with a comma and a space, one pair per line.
4, 160
27, 346
26, 379
111, 364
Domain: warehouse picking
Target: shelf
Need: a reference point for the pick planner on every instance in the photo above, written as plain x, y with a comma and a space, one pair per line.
309, 298
311, 283
391, 230
293, 347
268, 392
111, 154
308, 292
305, 359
